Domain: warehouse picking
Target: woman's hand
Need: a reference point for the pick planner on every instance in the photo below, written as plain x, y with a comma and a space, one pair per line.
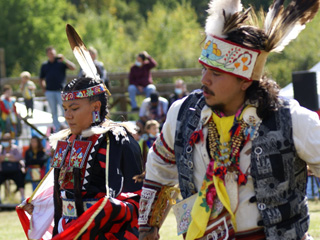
28, 208
153, 234
139, 178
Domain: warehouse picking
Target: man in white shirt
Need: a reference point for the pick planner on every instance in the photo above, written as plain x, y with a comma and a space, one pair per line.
153, 108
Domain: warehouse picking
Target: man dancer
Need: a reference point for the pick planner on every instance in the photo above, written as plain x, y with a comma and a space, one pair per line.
238, 151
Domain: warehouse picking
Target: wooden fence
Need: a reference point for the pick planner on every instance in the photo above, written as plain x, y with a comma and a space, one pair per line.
119, 84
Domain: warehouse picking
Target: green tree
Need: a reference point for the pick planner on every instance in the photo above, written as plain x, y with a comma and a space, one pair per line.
172, 36
28, 26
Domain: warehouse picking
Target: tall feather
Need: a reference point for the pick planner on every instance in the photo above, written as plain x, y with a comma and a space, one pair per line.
219, 11
282, 25
81, 53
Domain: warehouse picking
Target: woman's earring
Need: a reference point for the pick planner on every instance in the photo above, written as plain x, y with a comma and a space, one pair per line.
96, 117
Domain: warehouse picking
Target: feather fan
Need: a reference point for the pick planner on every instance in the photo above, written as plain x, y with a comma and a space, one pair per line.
81, 53
284, 24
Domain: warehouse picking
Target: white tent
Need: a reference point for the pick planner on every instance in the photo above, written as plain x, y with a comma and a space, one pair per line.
41, 120
315, 68
287, 91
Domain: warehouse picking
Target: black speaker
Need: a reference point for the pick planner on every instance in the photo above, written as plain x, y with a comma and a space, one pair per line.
305, 89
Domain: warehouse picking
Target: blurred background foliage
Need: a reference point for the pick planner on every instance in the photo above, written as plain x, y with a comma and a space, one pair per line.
169, 30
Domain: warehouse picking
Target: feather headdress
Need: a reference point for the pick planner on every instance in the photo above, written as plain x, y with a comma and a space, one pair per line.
235, 46
82, 54
284, 25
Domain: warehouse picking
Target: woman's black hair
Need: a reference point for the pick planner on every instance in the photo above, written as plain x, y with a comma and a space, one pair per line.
85, 82
39, 144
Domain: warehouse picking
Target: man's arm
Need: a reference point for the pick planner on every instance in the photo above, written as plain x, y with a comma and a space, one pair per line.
143, 111
70, 65
165, 104
152, 63
132, 77
144, 119
42, 76
306, 132
42, 83
161, 174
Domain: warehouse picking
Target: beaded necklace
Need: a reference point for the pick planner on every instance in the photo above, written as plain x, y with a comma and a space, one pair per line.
226, 157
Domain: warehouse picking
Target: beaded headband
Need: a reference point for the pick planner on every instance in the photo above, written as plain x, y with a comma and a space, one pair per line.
232, 58
84, 93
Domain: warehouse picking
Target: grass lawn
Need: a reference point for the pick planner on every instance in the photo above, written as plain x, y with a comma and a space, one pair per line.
10, 227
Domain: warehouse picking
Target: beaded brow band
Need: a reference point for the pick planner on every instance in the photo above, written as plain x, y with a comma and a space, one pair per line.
88, 92
233, 58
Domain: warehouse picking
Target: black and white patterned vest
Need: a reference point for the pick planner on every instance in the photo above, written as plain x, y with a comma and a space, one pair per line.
279, 175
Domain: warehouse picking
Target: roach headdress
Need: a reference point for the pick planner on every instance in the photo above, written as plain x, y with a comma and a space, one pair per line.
236, 45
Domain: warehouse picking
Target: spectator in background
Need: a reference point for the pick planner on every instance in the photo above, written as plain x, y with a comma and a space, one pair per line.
27, 88
140, 79
35, 158
11, 163
9, 120
153, 108
180, 91
146, 141
99, 65
53, 79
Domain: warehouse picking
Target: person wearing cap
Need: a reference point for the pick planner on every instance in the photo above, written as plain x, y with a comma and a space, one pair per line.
94, 195
238, 151
153, 108
140, 78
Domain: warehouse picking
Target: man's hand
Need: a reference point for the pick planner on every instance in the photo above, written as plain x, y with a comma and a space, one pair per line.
70, 65
153, 234
146, 54
60, 57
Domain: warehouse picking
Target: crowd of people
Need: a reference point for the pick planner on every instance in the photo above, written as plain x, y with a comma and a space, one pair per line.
236, 152
151, 115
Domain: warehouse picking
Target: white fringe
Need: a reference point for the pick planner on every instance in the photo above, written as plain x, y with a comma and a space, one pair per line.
106, 126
